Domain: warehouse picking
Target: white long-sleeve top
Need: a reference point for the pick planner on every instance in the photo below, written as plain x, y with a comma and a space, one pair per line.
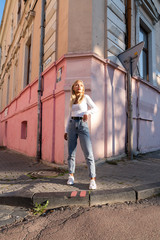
78, 110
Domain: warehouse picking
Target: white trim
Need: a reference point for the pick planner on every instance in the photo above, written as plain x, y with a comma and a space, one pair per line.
151, 35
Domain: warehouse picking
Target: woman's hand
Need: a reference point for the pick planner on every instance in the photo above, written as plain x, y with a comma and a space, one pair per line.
85, 118
66, 136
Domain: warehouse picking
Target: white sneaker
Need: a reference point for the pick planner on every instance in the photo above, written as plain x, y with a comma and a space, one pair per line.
92, 185
70, 180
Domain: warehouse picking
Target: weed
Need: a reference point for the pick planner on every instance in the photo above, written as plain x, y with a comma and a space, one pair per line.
40, 208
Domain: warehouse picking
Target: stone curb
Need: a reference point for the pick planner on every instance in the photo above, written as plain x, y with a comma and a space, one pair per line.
112, 196
59, 199
148, 190
80, 198
17, 198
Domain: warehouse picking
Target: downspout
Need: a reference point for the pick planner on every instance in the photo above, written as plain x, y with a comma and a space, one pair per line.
129, 84
138, 3
105, 83
39, 120
129, 25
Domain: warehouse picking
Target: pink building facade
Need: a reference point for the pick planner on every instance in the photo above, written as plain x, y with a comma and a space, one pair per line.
92, 57
106, 84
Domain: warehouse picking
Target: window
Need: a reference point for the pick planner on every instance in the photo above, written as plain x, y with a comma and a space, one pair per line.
19, 11
27, 65
144, 72
24, 130
15, 80
8, 89
28, 62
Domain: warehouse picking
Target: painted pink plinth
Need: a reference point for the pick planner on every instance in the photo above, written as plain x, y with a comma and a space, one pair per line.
106, 84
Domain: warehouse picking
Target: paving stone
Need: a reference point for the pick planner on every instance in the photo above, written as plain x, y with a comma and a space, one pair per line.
18, 187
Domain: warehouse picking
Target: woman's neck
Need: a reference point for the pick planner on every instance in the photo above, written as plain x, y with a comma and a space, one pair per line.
78, 96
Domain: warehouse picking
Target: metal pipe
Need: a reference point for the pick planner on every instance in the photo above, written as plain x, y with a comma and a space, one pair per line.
130, 112
138, 115
39, 120
105, 111
129, 83
129, 22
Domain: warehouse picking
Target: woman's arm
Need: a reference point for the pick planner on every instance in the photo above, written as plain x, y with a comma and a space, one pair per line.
93, 108
66, 128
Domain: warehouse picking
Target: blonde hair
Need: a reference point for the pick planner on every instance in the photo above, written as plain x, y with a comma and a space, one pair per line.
75, 97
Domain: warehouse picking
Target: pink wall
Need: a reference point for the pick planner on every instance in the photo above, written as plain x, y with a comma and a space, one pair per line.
115, 111
91, 70
21, 109
146, 109
106, 84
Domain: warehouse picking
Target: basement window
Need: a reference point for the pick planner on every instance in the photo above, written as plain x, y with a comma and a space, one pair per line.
24, 130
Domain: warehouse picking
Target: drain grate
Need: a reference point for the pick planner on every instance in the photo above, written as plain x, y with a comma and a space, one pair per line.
47, 173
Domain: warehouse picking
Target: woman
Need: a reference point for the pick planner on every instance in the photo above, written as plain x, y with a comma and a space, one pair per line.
77, 127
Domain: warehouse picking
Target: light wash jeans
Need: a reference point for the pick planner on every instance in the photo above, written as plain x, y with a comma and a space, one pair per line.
79, 128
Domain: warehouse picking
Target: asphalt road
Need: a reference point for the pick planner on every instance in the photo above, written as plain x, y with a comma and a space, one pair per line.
128, 221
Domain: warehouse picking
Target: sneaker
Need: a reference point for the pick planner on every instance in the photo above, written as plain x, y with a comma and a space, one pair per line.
92, 185
70, 180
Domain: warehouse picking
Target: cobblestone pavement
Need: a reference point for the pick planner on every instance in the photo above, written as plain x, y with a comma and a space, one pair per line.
21, 173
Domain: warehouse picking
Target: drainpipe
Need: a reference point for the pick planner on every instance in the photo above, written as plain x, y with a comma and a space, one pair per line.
129, 25
129, 84
39, 120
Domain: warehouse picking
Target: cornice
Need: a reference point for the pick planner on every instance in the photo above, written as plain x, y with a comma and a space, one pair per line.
150, 9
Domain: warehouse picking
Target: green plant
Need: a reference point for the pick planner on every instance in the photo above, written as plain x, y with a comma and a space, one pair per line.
40, 208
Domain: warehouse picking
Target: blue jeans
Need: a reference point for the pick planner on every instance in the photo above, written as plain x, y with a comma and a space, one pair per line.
79, 128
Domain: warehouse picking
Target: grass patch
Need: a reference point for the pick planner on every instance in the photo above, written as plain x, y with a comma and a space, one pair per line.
40, 208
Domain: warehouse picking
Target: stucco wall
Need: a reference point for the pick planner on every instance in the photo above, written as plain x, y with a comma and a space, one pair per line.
80, 26
23, 108
62, 38
50, 44
115, 111
146, 116
106, 84
91, 71
98, 27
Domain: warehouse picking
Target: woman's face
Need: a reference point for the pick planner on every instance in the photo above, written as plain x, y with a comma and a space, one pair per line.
78, 87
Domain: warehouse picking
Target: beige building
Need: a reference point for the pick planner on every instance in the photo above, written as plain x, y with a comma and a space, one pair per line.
20, 45
82, 39
73, 26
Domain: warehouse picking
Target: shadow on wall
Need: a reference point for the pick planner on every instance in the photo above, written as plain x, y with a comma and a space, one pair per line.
108, 89
116, 111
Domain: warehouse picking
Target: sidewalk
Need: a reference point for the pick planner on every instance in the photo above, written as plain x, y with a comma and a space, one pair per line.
23, 182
